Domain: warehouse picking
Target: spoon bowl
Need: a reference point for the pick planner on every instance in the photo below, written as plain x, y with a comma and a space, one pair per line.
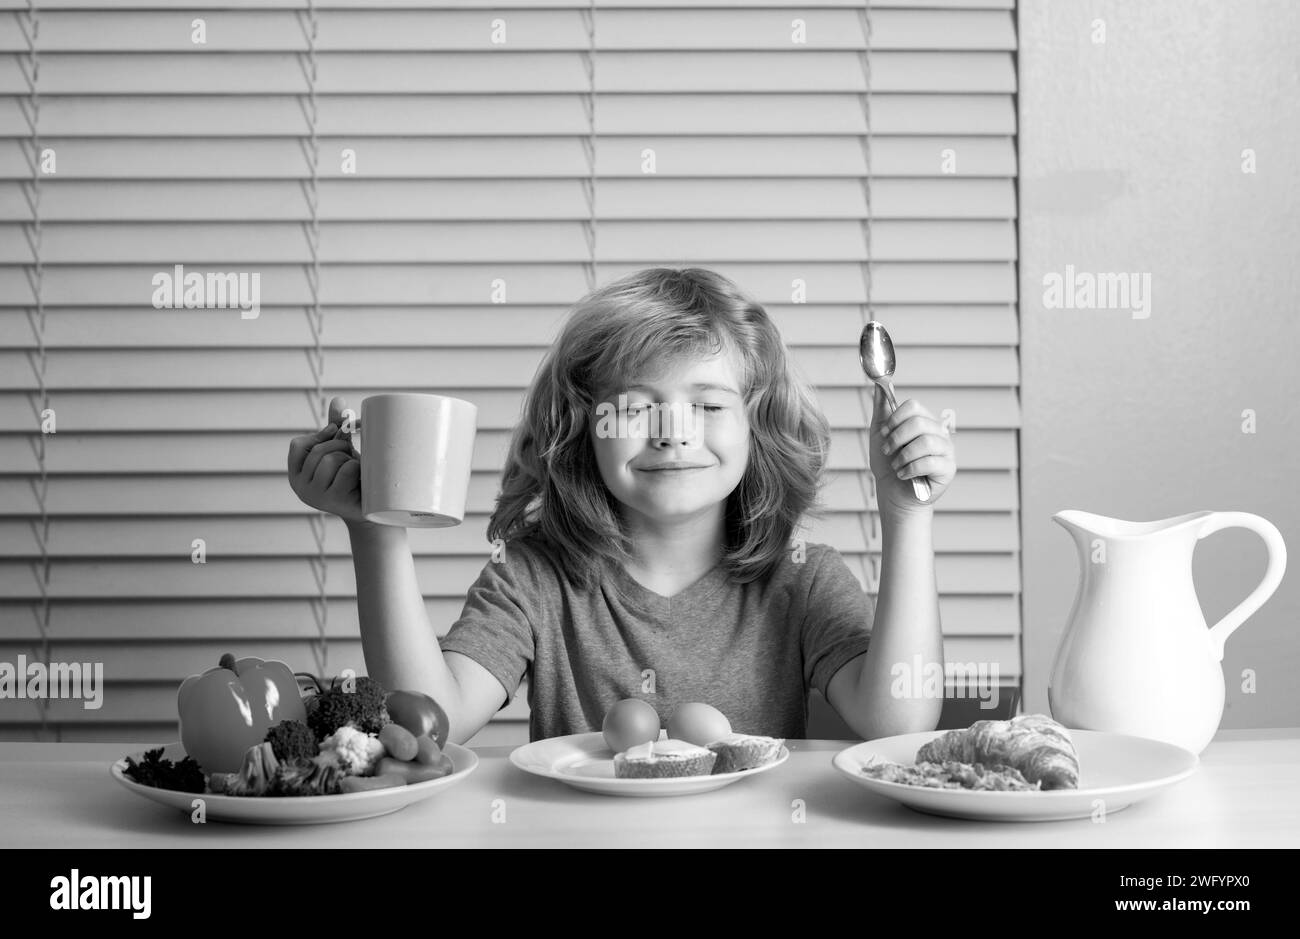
876, 352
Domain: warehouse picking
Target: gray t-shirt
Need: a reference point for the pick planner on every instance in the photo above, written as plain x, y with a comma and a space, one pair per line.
751, 650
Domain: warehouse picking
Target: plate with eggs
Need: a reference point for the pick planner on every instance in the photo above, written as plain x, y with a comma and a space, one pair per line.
633, 755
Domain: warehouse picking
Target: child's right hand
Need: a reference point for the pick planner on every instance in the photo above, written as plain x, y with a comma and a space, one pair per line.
325, 469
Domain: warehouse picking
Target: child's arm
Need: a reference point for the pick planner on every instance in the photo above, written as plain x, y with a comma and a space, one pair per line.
398, 641
400, 647
906, 627
868, 693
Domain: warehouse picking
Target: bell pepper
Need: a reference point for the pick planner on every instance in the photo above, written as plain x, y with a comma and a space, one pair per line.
229, 708
418, 713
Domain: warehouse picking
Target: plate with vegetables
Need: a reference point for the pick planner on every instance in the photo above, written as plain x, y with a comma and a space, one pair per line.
256, 747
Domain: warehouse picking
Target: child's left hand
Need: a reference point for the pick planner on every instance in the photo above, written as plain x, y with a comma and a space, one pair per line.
909, 442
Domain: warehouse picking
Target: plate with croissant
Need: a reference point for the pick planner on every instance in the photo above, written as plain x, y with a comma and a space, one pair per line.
1028, 768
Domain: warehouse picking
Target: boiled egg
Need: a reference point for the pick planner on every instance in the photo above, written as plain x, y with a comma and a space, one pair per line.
700, 724
630, 722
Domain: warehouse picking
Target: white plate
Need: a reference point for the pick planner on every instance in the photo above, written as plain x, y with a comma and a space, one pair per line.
298, 810
1115, 770
584, 762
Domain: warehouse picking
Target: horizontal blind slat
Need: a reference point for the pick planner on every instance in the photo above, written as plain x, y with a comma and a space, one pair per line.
444, 31
174, 661
494, 5
511, 72
422, 115
465, 327
251, 243
272, 368
971, 491
434, 200
176, 620
542, 158
423, 284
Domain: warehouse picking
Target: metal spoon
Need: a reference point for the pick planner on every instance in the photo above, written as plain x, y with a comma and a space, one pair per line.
876, 353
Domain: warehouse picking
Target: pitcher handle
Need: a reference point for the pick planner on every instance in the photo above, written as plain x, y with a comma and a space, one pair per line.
1225, 627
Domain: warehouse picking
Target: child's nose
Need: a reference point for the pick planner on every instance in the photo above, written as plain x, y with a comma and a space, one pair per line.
675, 424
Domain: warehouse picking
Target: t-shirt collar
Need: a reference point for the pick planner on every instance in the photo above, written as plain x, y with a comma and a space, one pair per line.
690, 596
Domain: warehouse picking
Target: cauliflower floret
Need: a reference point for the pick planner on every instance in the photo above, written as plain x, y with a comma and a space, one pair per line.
357, 751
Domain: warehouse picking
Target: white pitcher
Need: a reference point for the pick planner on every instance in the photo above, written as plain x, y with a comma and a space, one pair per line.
1136, 656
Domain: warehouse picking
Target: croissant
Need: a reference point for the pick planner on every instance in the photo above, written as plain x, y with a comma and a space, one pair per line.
1034, 744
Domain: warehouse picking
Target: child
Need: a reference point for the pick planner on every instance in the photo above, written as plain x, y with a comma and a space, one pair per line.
659, 559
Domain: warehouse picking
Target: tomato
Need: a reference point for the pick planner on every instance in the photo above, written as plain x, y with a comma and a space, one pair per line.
420, 714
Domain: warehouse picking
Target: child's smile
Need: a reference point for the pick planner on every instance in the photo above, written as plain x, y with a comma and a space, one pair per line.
672, 470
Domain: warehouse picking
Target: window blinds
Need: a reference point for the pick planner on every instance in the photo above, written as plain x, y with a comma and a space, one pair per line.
489, 143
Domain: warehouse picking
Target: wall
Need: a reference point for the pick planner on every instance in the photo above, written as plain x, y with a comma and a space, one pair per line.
1131, 161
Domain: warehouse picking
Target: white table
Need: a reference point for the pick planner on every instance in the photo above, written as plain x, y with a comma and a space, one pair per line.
60, 795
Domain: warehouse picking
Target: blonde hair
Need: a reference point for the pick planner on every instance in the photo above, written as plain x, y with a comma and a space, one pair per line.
552, 488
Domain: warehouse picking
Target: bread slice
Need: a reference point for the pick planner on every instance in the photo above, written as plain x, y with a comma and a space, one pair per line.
663, 758
744, 751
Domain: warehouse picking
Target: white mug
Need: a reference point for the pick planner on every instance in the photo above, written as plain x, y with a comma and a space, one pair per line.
416, 459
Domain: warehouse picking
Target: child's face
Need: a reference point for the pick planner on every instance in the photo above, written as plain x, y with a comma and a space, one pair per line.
706, 427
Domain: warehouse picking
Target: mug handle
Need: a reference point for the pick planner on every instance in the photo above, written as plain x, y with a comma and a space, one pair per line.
1218, 521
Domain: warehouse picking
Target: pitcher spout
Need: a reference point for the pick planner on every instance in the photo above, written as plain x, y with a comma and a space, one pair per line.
1075, 521
1082, 524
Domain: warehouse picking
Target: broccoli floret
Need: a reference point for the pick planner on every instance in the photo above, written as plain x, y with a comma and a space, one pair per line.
371, 712
292, 740
318, 776
328, 712
363, 706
